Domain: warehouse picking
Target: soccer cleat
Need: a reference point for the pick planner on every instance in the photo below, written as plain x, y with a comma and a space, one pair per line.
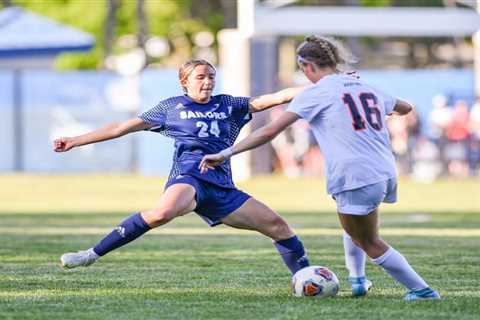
360, 285
78, 259
424, 294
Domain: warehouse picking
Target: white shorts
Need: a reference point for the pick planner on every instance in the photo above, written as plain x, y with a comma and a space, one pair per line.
364, 200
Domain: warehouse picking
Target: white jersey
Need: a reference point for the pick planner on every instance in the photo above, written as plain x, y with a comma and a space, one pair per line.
347, 117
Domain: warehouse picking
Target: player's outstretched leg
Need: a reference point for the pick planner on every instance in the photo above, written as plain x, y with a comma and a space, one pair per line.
127, 231
177, 200
254, 215
355, 259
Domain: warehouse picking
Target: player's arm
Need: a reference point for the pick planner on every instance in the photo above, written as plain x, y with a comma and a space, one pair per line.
266, 101
402, 107
255, 139
111, 131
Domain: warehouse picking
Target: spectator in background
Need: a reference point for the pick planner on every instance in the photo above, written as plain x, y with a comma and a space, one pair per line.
413, 134
284, 147
404, 133
438, 122
397, 126
474, 148
458, 135
426, 166
292, 148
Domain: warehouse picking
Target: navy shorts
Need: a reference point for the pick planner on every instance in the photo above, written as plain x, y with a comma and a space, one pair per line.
213, 202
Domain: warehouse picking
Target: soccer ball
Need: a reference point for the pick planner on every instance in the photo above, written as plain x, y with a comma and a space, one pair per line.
315, 281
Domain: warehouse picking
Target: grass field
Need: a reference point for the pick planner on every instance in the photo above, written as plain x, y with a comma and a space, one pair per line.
188, 271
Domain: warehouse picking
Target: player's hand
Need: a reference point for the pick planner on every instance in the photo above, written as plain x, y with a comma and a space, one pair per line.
210, 161
63, 144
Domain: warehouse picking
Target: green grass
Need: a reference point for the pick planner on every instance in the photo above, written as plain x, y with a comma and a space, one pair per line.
188, 271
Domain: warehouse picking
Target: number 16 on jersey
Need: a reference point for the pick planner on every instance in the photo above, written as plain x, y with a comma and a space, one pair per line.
368, 101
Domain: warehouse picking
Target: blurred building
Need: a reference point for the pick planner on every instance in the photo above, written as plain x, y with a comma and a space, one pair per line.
416, 53
27, 41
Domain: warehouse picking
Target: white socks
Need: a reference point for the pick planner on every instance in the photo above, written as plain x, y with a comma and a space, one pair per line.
398, 267
392, 261
354, 257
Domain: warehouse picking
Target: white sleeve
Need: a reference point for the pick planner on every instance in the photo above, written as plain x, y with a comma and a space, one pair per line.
310, 102
388, 100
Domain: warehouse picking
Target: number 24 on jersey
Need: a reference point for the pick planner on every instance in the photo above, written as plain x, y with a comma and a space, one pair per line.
205, 131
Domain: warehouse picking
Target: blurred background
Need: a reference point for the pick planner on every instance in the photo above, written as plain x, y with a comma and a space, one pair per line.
70, 66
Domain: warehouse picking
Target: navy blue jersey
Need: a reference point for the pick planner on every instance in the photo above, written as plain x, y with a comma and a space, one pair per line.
200, 129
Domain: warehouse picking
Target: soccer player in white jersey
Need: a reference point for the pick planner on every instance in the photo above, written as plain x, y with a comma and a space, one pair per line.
200, 123
347, 117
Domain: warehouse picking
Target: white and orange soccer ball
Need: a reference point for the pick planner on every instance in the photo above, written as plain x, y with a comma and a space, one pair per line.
315, 281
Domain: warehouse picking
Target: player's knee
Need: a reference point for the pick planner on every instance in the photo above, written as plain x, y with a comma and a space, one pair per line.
163, 215
280, 229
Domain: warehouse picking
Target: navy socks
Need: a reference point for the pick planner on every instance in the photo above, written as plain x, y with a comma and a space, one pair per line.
291, 250
293, 253
129, 230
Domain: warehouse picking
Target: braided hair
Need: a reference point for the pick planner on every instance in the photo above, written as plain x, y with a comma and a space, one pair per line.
325, 52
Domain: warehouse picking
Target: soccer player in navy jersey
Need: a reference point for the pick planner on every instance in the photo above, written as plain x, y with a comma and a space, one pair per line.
348, 119
200, 124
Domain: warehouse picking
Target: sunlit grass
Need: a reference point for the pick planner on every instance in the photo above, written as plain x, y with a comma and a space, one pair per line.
110, 193
187, 270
